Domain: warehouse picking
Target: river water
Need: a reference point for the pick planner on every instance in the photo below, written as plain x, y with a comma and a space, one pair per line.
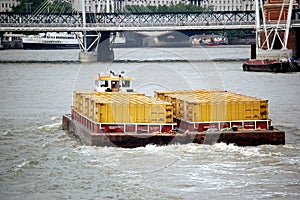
40, 161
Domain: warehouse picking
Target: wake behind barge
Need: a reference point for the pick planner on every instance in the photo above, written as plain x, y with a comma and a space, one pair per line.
114, 115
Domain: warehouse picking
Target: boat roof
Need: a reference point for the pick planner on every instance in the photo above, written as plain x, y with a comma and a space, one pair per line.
13, 34
113, 78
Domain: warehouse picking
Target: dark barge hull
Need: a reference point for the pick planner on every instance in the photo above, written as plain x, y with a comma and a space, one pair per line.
127, 140
276, 67
36, 46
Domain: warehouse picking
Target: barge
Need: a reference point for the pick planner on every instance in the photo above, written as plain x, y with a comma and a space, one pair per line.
275, 66
113, 138
114, 115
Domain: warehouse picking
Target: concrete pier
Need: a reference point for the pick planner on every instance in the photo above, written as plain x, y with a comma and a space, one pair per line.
88, 56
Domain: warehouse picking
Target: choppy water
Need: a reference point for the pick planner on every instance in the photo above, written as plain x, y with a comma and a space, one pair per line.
40, 161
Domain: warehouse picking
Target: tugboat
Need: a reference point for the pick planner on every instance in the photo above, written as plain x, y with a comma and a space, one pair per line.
114, 115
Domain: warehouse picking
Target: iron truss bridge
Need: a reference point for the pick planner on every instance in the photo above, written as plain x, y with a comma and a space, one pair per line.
128, 21
133, 21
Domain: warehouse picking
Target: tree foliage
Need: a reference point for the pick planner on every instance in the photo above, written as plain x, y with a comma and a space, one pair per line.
164, 8
43, 6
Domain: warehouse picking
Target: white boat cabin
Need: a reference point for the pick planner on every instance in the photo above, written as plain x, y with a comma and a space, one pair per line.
113, 83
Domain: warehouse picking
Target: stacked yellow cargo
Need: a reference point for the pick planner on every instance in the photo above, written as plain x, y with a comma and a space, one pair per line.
122, 108
214, 105
91, 108
162, 94
78, 102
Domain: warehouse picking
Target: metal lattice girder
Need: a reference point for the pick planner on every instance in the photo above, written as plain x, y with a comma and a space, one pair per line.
136, 18
115, 21
232, 17
39, 18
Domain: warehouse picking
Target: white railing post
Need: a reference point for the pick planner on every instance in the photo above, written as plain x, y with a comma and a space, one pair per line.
288, 24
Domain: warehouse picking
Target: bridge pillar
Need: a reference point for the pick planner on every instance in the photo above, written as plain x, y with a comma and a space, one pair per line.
297, 42
273, 43
105, 53
88, 50
96, 47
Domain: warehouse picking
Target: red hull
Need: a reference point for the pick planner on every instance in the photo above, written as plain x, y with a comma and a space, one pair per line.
253, 133
271, 66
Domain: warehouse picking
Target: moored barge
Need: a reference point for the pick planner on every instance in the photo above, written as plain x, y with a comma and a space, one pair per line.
275, 66
128, 119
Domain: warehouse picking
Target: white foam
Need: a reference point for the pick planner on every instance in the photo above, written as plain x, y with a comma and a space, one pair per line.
54, 118
7, 133
249, 151
50, 126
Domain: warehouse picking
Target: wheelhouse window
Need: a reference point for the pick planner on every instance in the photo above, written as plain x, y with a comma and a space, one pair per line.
125, 83
104, 83
114, 84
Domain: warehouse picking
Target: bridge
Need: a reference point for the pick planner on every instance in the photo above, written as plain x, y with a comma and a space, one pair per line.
128, 21
100, 25
176, 21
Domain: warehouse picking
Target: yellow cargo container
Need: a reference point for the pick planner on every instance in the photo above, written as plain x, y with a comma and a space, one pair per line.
204, 111
132, 111
169, 113
98, 112
264, 109
126, 113
194, 105
147, 111
78, 100
158, 113
85, 105
162, 95
91, 109
192, 112
117, 112
104, 112
140, 112
214, 105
